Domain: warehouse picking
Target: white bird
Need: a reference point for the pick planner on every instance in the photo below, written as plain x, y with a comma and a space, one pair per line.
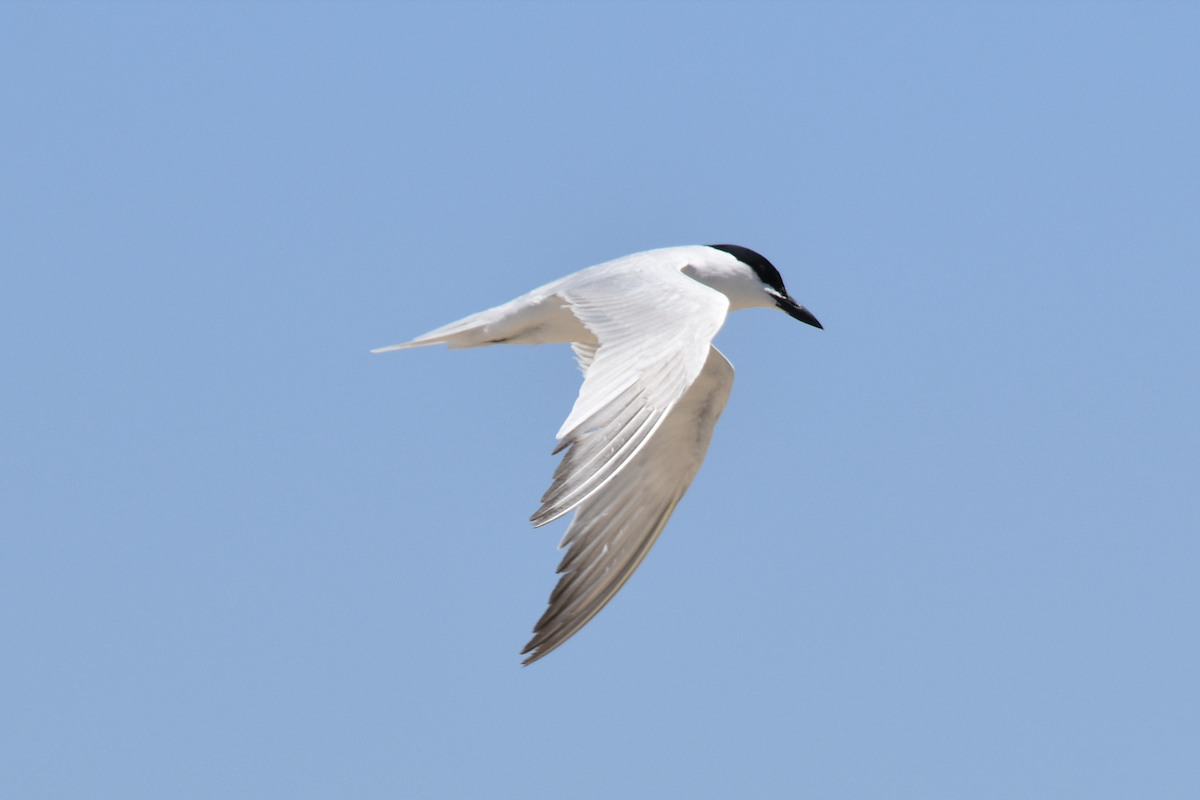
641, 328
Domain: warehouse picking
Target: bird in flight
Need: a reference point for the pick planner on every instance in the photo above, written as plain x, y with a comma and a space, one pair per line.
641, 328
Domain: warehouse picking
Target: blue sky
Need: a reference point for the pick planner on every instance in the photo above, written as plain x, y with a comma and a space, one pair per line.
945, 548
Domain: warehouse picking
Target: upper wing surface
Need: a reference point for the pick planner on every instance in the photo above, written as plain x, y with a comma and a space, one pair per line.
653, 326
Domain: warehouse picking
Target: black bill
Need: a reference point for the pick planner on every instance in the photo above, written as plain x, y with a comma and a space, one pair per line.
798, 311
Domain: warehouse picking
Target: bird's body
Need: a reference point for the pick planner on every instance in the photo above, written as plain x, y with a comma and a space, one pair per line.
641, 327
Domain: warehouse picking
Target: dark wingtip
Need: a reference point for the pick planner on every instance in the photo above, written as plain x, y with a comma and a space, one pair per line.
536, 650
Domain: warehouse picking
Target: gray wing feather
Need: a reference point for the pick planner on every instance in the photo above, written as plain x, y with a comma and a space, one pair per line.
651, 345
616, 525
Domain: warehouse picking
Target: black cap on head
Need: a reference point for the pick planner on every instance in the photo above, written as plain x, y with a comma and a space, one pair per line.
764, 269
767, 273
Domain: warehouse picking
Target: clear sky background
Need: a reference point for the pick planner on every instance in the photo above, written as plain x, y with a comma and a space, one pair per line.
948, 547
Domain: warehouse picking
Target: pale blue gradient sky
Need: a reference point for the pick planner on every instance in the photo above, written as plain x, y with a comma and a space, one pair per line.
946, 548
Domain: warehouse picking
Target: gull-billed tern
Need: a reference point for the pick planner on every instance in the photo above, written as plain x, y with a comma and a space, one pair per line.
641, 328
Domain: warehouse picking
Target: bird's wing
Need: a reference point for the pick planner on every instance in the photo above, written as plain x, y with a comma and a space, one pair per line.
653, 326
616, 525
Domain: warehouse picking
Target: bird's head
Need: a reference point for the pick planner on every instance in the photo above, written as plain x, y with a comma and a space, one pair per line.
750, 280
